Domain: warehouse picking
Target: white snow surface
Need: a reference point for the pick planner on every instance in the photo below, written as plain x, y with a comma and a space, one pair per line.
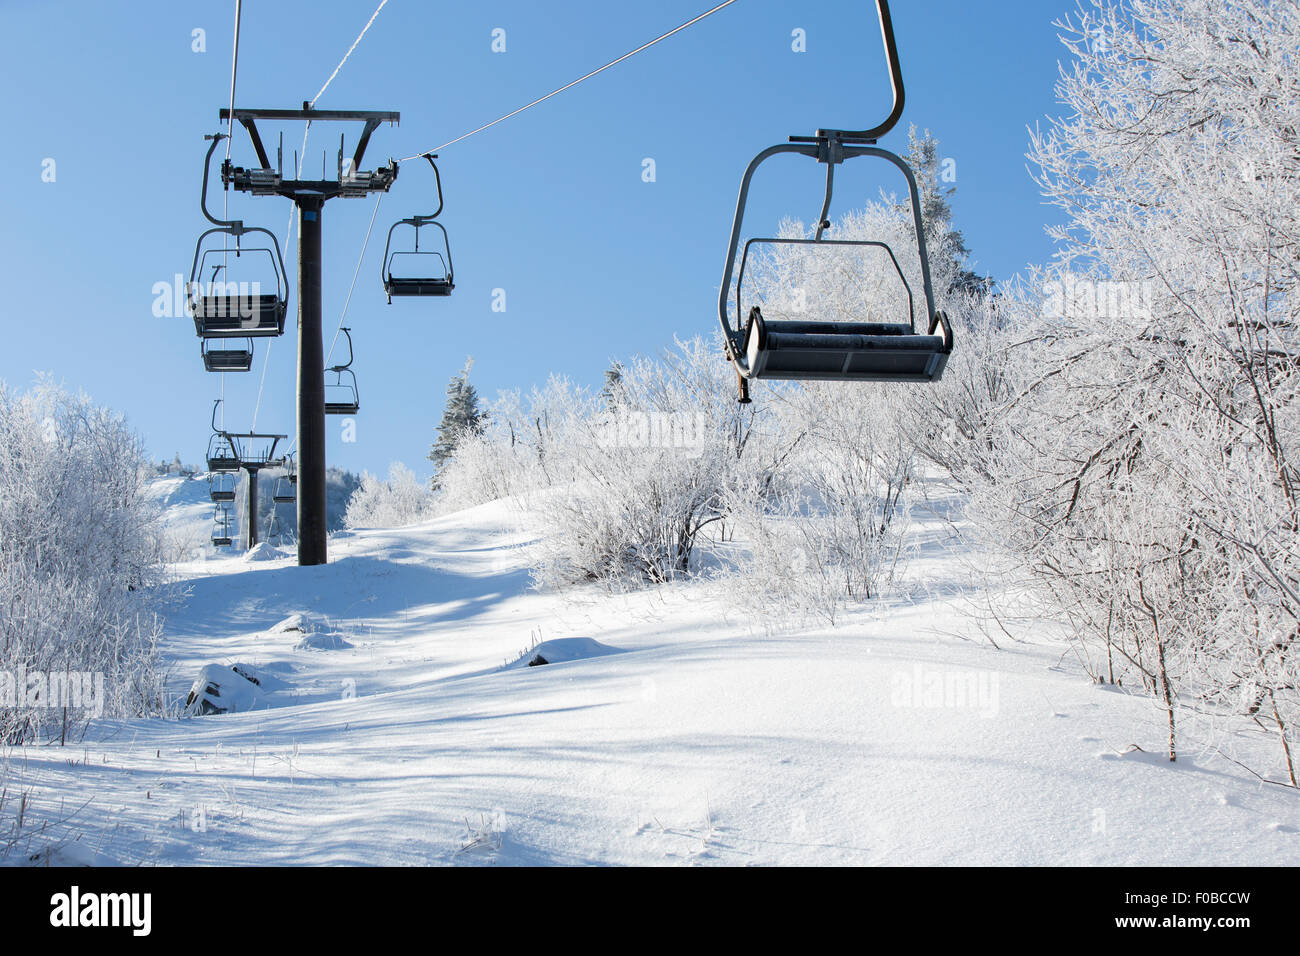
666, 731
262, 551
562, 650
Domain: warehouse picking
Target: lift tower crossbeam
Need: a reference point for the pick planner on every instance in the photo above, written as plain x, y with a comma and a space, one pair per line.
310, 197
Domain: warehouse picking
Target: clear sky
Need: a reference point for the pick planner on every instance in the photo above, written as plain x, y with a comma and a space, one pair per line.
550, 206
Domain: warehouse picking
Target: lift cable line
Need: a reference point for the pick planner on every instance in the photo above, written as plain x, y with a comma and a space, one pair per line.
360, 259
234, 66
381, 6
288, 231
567, 86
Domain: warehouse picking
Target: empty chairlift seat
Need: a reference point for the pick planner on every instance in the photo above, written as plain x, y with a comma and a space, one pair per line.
859, 348
238, 315
845, 351
222, 535
285, 491
341, 395
341, 398
246, 293
227, 358
416, 271
238, 302
222, 457
221, 487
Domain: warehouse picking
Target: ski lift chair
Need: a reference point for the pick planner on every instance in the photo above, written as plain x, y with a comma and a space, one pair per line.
221, 487
285, 491
222, 456
826, 349
221, 532
341, 395
435, 276
226, 357
229, 308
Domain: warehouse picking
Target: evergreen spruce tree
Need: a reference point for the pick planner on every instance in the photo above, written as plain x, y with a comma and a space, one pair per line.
461, 416
941, 239
612, 393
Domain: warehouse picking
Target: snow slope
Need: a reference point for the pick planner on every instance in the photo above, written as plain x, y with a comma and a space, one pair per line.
187, 514
681, 737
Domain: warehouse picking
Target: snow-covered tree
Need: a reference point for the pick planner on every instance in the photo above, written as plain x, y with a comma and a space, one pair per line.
945, 243
401, 500
648, 477
80, 563
1147, 472
461, 416
612, 392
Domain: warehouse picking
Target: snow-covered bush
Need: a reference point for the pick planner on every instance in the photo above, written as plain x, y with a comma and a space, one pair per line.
80, 559
956, 424
821, 506
401, 500
648, 472
522, 447
823, 527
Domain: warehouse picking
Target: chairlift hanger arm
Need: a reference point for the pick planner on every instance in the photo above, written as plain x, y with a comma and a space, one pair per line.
438, 179
869, 136
347, 333
422, 219
233, 226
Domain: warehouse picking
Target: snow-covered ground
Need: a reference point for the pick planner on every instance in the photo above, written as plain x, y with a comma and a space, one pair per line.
663, 729
187, 514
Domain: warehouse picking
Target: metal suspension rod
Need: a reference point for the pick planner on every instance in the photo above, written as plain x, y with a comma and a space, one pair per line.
822, 222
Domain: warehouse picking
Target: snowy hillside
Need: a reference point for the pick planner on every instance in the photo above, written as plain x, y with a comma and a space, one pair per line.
187, 514
397, 721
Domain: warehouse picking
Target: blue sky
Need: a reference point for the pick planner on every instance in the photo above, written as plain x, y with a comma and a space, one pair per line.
549, 206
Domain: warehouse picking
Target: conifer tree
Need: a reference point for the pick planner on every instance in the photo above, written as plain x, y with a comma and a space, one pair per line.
461, 416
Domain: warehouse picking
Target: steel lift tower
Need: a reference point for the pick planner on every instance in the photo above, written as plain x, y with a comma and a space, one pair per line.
310, 195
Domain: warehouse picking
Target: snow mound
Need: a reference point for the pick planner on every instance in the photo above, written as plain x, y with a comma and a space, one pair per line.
323, 641
295, 622
73, 853
561, 650
314, 633
263, 552
233, 689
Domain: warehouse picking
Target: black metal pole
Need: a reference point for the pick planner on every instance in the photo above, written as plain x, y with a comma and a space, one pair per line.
311, 386
252, 507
